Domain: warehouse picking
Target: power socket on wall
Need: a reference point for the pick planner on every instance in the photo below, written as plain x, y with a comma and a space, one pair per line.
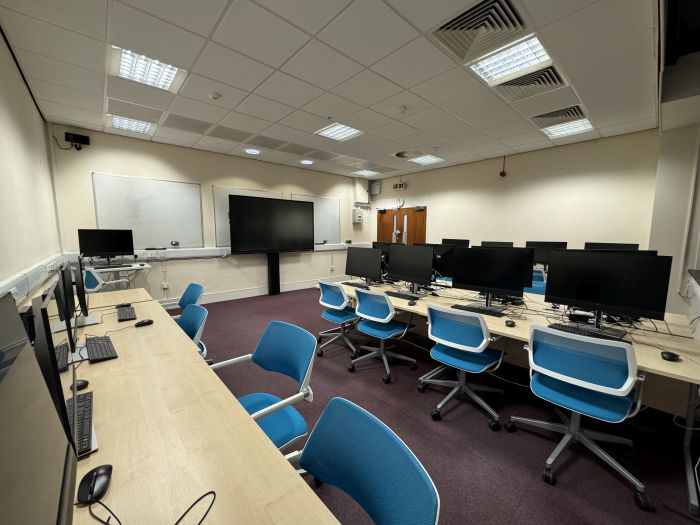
165, 286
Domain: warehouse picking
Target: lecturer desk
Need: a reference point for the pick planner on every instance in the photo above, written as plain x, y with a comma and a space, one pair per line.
645, 343
172, 431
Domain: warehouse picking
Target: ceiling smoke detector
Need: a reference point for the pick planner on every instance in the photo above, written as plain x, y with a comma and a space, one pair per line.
408, 154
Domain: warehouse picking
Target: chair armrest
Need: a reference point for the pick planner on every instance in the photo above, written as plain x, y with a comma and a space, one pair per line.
281, 404
637, 396
233, 361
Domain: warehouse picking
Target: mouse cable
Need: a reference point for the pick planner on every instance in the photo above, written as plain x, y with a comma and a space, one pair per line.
200, 498
112, 514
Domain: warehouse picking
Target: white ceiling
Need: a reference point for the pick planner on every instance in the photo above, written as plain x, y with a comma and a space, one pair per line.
286, 69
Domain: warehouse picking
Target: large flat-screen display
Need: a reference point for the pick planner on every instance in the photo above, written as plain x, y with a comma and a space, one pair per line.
105, 243
411, 263
261, 225
491, 270
365, 263
613, 282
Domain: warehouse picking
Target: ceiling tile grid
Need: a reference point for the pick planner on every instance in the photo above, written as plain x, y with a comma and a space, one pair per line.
270, 73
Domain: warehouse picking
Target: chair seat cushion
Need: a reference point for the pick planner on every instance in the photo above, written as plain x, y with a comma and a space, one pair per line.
381, 330
464, 360
339, 316
606, 407
538, 287
282, 426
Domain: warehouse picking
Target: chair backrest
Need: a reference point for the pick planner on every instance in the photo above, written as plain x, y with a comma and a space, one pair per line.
458, 329
192, 321
287, 349
333, 295
538, 275
374, 306
191, 295
596, 364
93, 280
356, 452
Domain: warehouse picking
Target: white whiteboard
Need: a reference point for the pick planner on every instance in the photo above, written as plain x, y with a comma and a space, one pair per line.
221, 222
157, 211
326, 217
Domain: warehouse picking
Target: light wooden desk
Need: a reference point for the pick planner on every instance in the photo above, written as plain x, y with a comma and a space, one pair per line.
103, 301
172, 431
647, 346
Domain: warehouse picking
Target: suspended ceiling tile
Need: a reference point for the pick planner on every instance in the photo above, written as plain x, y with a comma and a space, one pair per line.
198, 17
212, 92
229, 67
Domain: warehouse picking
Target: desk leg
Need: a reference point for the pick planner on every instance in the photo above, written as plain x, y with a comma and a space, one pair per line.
693, 506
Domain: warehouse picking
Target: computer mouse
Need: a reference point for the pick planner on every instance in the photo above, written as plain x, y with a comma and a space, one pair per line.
412, 302
143, 322
510, 323
94, 484
81, 384
670, 356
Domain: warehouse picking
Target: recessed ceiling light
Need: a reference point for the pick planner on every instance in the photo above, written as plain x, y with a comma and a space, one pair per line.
306, 162
568, 128
514, 58
252, 151
339, 132
426, 159
365, 173
140, 68
129, 124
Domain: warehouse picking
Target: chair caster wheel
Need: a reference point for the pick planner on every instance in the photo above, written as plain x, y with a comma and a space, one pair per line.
643, 502
319, 339
435, 414
494, 425
386, 379
421, 388
353, 355
548, 477
510, 427
351, 368
317, 482
319, 353
413, 366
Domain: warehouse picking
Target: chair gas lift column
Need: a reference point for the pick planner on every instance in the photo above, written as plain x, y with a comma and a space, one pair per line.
463, 345
338, 311
590, 377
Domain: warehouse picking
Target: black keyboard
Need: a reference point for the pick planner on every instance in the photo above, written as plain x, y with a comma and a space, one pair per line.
577, 330
357, 285
126, 313
100, 349
404, 295
484, 310
83, 437
62, 357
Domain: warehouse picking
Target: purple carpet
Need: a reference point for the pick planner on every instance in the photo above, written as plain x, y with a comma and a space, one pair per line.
482, 476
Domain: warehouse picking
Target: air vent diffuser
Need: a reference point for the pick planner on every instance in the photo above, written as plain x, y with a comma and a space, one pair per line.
559, 116
483, 28
535, 83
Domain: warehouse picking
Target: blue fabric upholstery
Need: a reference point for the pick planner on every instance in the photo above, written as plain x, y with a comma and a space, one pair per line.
381, 330
331, 294
91, 281
281, 426
538, 287
373, 305
192, 320
191, 295
339, 316
353, 450
612, 409
285, 348
464, 360
537, 276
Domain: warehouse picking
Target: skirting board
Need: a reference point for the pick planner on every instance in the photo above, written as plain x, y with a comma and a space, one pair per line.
27, 281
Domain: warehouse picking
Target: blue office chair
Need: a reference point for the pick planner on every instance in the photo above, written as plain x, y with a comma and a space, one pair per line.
378, 321
354, 451
192, 323
463, 345
338, 311
289, 350
539, 282
590, 377
191, 295
95, 283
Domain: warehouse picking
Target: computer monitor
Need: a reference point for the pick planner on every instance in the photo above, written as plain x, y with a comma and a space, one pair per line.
77, 319
384, 247
610, 246
12, 331
80, 288
543, 249
497, 244
365, 263
614, 283
65, 303
411, 263
442, 258
105, 243
462, 243
38, 461
528, 260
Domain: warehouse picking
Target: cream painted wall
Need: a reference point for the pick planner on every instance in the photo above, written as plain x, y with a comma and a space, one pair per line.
29, 231
224, 278
599, 190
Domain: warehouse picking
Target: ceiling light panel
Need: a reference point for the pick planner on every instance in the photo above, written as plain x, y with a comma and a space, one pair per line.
424, 160
512, 60
568, 128
365, 173
129, 124
145, 70
339, 132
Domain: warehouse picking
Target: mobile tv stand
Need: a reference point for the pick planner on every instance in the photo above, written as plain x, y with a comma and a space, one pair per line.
273, 273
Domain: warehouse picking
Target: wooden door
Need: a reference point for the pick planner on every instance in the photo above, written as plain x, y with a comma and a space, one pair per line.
403, 226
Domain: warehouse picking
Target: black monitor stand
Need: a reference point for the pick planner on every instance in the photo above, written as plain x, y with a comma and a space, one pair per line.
598, 327
489, 304
273, 273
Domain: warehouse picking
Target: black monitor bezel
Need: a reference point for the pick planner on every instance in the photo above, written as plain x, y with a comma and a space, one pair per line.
496, 244
488, 289
611, 246
459, 243
105, 253
552, 245
396, 247
377, 276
